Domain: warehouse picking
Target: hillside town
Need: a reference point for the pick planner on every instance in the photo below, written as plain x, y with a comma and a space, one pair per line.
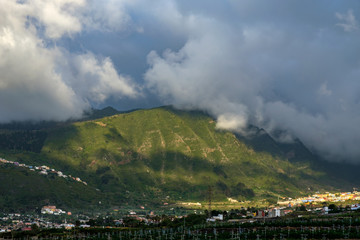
25, 222
51, 217
321, 198
42, 170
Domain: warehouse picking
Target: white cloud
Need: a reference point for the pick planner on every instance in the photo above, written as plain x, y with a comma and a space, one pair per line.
37, 82
57, 16
231, 122
349, 23
96, 79
241, 61
110, 15
265, 74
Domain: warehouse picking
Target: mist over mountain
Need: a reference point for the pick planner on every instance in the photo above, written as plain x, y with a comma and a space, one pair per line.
282, 66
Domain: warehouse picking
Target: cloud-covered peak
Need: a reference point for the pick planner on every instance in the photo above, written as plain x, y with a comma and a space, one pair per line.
288, 75
288, 65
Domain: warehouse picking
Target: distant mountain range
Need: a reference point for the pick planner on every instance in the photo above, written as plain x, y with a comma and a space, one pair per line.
156, 155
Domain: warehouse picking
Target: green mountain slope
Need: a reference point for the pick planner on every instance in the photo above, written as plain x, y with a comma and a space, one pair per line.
24, 190
147, 155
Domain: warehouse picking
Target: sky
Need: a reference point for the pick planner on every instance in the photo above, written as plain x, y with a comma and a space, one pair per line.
282, 65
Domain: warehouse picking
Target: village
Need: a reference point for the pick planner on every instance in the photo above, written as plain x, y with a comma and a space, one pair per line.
242, 223
26, 222
42, 170
51, 217
322, 198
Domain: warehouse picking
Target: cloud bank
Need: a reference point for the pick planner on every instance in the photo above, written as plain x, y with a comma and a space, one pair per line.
288, 65
40, 81
295, 76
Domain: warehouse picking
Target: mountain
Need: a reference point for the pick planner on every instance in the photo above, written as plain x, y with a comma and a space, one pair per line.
25, 190
147, 156
100, 113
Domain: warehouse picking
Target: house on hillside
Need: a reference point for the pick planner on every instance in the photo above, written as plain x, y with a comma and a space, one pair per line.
48, 209
355, 206
219, 217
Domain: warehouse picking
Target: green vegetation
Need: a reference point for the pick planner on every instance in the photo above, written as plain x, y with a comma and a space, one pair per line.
166, 155
23, 191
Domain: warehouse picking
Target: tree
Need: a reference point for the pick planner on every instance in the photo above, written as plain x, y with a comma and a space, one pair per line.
35, 228
333, 207
302, 208
131, 222
193, 219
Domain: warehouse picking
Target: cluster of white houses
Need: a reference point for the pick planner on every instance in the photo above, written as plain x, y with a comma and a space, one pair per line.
53, 210
43, 170
24, 222
322, 197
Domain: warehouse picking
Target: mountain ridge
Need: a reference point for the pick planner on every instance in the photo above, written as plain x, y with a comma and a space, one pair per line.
147, 155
